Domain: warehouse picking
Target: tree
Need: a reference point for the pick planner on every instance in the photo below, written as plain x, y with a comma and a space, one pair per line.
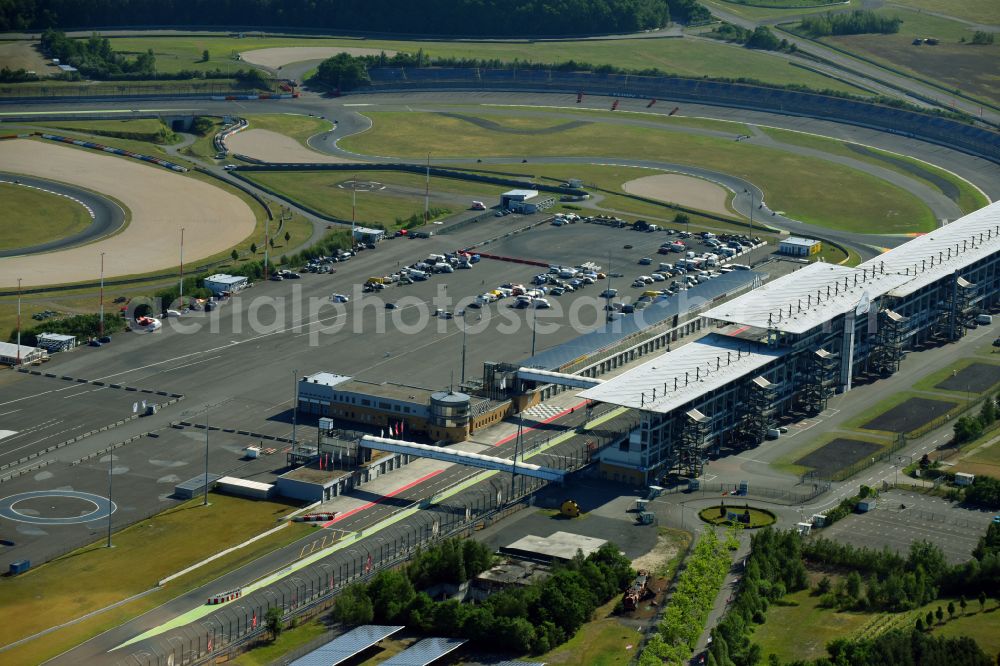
929, 619
763, 38
204, 55
234, 254
939, 614
823, 586
343, 71
982, 601
963, 603
920, 625
253, 248
270, 241
854, 585
288, 236
273, 622
354, 606
988, 414
951, 610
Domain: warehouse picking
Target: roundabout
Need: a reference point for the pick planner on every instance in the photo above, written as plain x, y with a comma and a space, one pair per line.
750, 518
65, 507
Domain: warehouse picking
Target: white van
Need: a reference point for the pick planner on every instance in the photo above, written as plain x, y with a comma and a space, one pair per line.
435, 258
984, 319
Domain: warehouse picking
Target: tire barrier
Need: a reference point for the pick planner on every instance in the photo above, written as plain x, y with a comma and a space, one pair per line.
108, 449
95, 382
514, 260
245, 98
220, 138
115, 151
26, 470
247, 433
224, 597
941, 130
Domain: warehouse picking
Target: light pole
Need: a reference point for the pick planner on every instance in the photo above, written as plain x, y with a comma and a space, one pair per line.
465, 329
205, 503
100, 326
19, 321
750, 192
111, 477
533, 331
295, 404
181, 285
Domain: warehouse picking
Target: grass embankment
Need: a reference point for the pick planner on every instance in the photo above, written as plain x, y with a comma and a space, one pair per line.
403, 197
32, 216
151, 130
95, 576
978, 11
951, 64
294, 125
969, 198
759, 13
804, 188
47, 87
677, 56
657, 116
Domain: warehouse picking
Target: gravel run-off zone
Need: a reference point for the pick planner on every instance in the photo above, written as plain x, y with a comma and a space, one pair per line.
909, 415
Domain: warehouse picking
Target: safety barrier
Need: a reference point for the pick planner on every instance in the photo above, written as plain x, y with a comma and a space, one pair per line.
315, 517
224, 597
114, 151
32, 468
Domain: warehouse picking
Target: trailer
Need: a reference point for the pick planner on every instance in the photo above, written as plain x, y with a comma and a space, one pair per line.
637, 591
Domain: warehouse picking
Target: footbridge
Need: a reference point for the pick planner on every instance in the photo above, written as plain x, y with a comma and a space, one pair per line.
560, 378
462, 458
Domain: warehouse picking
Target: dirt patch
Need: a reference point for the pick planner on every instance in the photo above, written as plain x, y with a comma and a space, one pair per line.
664, 550
285, 55
161, 202
975, 378
274, 147
909, 415
684, 190
837, 455
23, 55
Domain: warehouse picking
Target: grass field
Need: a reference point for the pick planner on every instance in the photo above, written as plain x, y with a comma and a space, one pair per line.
677, 56
143, 554
970, 198
806, 189
978, 11
951, 64
814, 628
294, 125
779, 11
72, 88
32, 216
602, 642
318, 190
983, 457
290, 639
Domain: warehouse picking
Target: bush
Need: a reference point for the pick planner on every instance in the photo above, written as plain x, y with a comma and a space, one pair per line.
855, 23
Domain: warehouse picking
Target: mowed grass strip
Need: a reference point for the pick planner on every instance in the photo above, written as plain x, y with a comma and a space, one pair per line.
684, 57
814, 627
141, 129
979, 11
970, 197
94, 576
32, 216
319, 191
805, 188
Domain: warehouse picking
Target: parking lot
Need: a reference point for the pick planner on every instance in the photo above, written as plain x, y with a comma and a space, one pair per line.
954, 529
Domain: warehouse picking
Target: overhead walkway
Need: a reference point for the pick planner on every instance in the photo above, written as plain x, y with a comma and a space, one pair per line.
462, 458
560, 378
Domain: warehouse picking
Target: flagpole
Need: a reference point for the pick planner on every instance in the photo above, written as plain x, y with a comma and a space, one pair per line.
181, 286
427, 192
205, 503
18, 321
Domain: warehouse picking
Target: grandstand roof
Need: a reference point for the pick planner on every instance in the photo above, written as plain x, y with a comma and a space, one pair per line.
951, 248
812, 295
344, 647
685, 374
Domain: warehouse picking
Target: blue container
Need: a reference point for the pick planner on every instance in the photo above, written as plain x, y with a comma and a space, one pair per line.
19, 567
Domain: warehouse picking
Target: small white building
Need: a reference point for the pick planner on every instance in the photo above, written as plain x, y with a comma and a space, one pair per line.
964, 479
800, 247
56, 342
368, 235
517, 199
221, 282
10, 352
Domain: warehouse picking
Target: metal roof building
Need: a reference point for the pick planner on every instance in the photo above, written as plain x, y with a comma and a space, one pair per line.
425, 652
344, 647
806, 336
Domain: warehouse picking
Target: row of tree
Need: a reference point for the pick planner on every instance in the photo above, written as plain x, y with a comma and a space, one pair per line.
83, 326
969, 428
95, 58
860, 21
431, 17
532, 618
761, 37
685, 615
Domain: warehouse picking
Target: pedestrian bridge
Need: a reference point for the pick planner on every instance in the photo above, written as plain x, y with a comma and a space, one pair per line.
462, 458
560, 378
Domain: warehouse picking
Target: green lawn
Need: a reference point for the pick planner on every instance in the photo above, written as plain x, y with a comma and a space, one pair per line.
69, 88
601, 642
811, 628
970, 198
984, 628
803, 187
676, 56
32, 216
203, 147
951, 64
318, 190
978, 11
143, 554
294, 125
289, 640
758, 517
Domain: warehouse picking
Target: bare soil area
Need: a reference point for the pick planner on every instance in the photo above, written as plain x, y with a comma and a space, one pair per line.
23, 55
274, 147
680, 189
160, 201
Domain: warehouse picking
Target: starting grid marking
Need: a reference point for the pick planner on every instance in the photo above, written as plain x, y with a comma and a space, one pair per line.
542, 412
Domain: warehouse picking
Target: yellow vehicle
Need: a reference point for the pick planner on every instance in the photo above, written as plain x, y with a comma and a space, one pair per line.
375, 280
651, 294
